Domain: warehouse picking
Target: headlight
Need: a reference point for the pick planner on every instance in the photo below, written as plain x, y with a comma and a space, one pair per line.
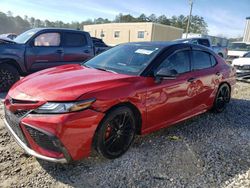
60, 107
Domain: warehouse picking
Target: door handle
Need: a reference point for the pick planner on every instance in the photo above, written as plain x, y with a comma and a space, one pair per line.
59, 51
86, 51
191, 79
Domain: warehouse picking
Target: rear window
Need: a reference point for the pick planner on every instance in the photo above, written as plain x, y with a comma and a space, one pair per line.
74, 40
201, 60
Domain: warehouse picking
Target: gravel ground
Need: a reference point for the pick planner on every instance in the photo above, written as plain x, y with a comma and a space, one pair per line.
211, 150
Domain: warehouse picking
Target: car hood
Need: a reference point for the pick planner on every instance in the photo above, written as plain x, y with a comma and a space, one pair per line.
241, 61
64, 83
6, 40
236, 53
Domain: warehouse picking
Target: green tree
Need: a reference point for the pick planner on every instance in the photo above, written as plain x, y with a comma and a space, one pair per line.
152, 18
142, 18
163, 20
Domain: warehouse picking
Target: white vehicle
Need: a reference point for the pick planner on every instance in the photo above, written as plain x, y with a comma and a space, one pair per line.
236, 50
242, 65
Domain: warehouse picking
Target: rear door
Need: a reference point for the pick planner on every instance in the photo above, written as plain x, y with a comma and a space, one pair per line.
204, 79
76, 47
44, 51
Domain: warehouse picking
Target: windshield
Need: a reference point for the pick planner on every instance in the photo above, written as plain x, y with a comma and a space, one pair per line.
24, 37
239, 46
124, 59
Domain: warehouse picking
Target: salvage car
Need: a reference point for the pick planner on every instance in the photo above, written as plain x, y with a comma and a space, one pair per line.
42, 48
237, 50
242, 65
58, 114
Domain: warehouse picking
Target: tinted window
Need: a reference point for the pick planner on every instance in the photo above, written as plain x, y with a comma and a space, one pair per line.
74, 39
201, 60
47, 39
178, 61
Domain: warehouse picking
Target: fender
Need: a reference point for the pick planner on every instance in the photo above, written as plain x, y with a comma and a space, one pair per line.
14, 54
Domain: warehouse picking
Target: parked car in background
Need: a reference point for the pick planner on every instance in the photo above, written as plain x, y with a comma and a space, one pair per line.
242, 65
11, 36
40, 48
58, 114
99, 45
221, 51
237, 50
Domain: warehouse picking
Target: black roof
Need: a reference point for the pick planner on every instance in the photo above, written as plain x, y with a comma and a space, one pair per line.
55, 29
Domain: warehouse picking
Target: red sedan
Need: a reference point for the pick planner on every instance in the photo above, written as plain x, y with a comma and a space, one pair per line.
58, 114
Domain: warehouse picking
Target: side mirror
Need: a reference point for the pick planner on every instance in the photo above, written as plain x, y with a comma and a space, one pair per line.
165, 73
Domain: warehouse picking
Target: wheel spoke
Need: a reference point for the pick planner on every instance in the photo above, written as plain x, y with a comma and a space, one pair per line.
110, 142
124, 118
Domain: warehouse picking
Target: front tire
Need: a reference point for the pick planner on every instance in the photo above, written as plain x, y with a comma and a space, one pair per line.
116, 133
223, 97
8, 76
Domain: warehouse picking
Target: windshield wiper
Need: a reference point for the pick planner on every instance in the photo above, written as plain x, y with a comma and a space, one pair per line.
103, 69
99, 68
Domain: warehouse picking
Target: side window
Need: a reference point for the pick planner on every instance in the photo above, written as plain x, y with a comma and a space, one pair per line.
74, 40
201, 60
213, 60
47, 39
178, 61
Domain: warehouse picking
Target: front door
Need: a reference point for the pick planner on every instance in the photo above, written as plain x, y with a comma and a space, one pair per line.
168, 101
44, 52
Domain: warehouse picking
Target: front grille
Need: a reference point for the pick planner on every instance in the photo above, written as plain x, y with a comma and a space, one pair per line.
43, 140
14, 123
16, 101
244, 67
21, 113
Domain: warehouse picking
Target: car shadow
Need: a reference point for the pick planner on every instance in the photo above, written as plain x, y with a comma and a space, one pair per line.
209, 150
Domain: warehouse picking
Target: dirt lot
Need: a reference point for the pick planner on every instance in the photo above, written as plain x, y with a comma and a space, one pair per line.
207, 151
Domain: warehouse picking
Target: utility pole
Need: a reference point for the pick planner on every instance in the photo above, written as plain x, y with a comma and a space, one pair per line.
189, 18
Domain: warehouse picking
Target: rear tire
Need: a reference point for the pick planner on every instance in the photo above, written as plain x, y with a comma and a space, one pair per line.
223, 97
8, 76
116, 133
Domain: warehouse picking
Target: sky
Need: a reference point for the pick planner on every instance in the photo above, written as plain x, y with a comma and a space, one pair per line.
224, 17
